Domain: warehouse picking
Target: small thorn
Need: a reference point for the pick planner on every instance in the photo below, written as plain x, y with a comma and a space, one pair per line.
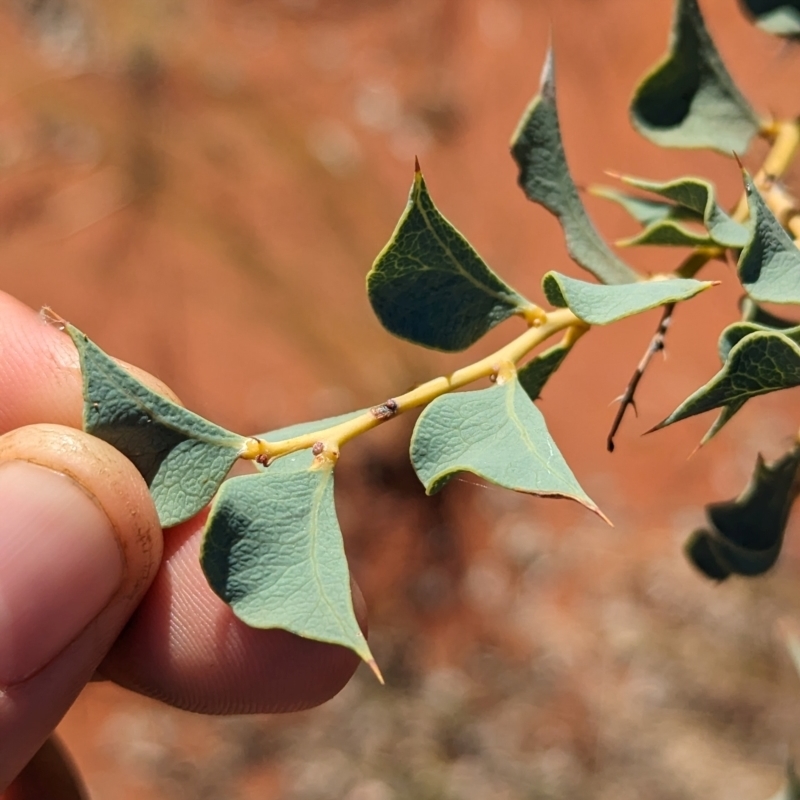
610, 444
632, 402
376, 671
600, 514
416, 166
618, 399
614, 174
738, 160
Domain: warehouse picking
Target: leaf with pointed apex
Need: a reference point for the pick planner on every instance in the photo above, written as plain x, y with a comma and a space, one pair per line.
744, 536
689, 99
722, 420
600, 305
182, 457
430, 287
778, 17
272, 550
497, 434
752, 312
728, 339
643, 209
698, 197
762, 362
535, 374
769, 267
545, 178
667, 234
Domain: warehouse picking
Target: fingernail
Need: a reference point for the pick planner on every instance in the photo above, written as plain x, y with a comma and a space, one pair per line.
60, 564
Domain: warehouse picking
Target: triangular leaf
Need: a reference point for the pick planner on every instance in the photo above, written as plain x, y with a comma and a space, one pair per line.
728, 339
429, 286
769, 267
544, 177
535, 374
689, 99
744, 536
778, 17
497, 434
765, 361
273, 551
183, 457
644, 210
600, 305
668, 234
697, 196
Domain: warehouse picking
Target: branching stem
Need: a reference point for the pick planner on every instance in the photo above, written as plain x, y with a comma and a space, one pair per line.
338, 435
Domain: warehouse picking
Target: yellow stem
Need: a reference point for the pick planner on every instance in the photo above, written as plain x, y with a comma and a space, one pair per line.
785, 143
337, 435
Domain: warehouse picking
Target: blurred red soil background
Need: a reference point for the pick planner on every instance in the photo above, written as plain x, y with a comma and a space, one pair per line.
202, 187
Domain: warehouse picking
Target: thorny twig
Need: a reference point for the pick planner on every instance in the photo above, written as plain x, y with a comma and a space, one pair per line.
627, 399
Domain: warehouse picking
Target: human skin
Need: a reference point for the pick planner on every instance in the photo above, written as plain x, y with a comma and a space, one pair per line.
91, 586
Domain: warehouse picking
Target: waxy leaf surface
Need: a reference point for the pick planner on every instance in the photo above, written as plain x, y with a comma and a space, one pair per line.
545, 178
764, 361
497, 434
645, 210
689, 99
667, 234
697, 196
273, 551
600, 305
535, 374
778, 17
744, 535
429, 286
728, 339
182, 457
769, 267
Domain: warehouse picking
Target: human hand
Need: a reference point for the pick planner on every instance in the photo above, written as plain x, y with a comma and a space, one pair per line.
87, 583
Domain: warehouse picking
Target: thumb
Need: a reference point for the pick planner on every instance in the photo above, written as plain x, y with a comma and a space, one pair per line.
79, 545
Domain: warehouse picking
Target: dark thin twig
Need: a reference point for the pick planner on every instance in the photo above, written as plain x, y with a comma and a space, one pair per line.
627, 399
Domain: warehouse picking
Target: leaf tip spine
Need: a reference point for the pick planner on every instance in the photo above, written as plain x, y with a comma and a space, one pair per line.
372, 664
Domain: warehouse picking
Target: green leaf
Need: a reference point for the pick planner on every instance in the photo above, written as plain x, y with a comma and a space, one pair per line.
729, 338
764, 361
600, 305
430, 287
745, 535
734, 334
722, 420
643, 209
769, 267
778, 17
544, 177
183, 457
535, 374
668, 233
273, 551
689, 99
497, 434
697, 196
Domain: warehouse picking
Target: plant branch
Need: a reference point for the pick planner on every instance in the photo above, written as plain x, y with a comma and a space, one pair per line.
785, 142
627, 399
501, 361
